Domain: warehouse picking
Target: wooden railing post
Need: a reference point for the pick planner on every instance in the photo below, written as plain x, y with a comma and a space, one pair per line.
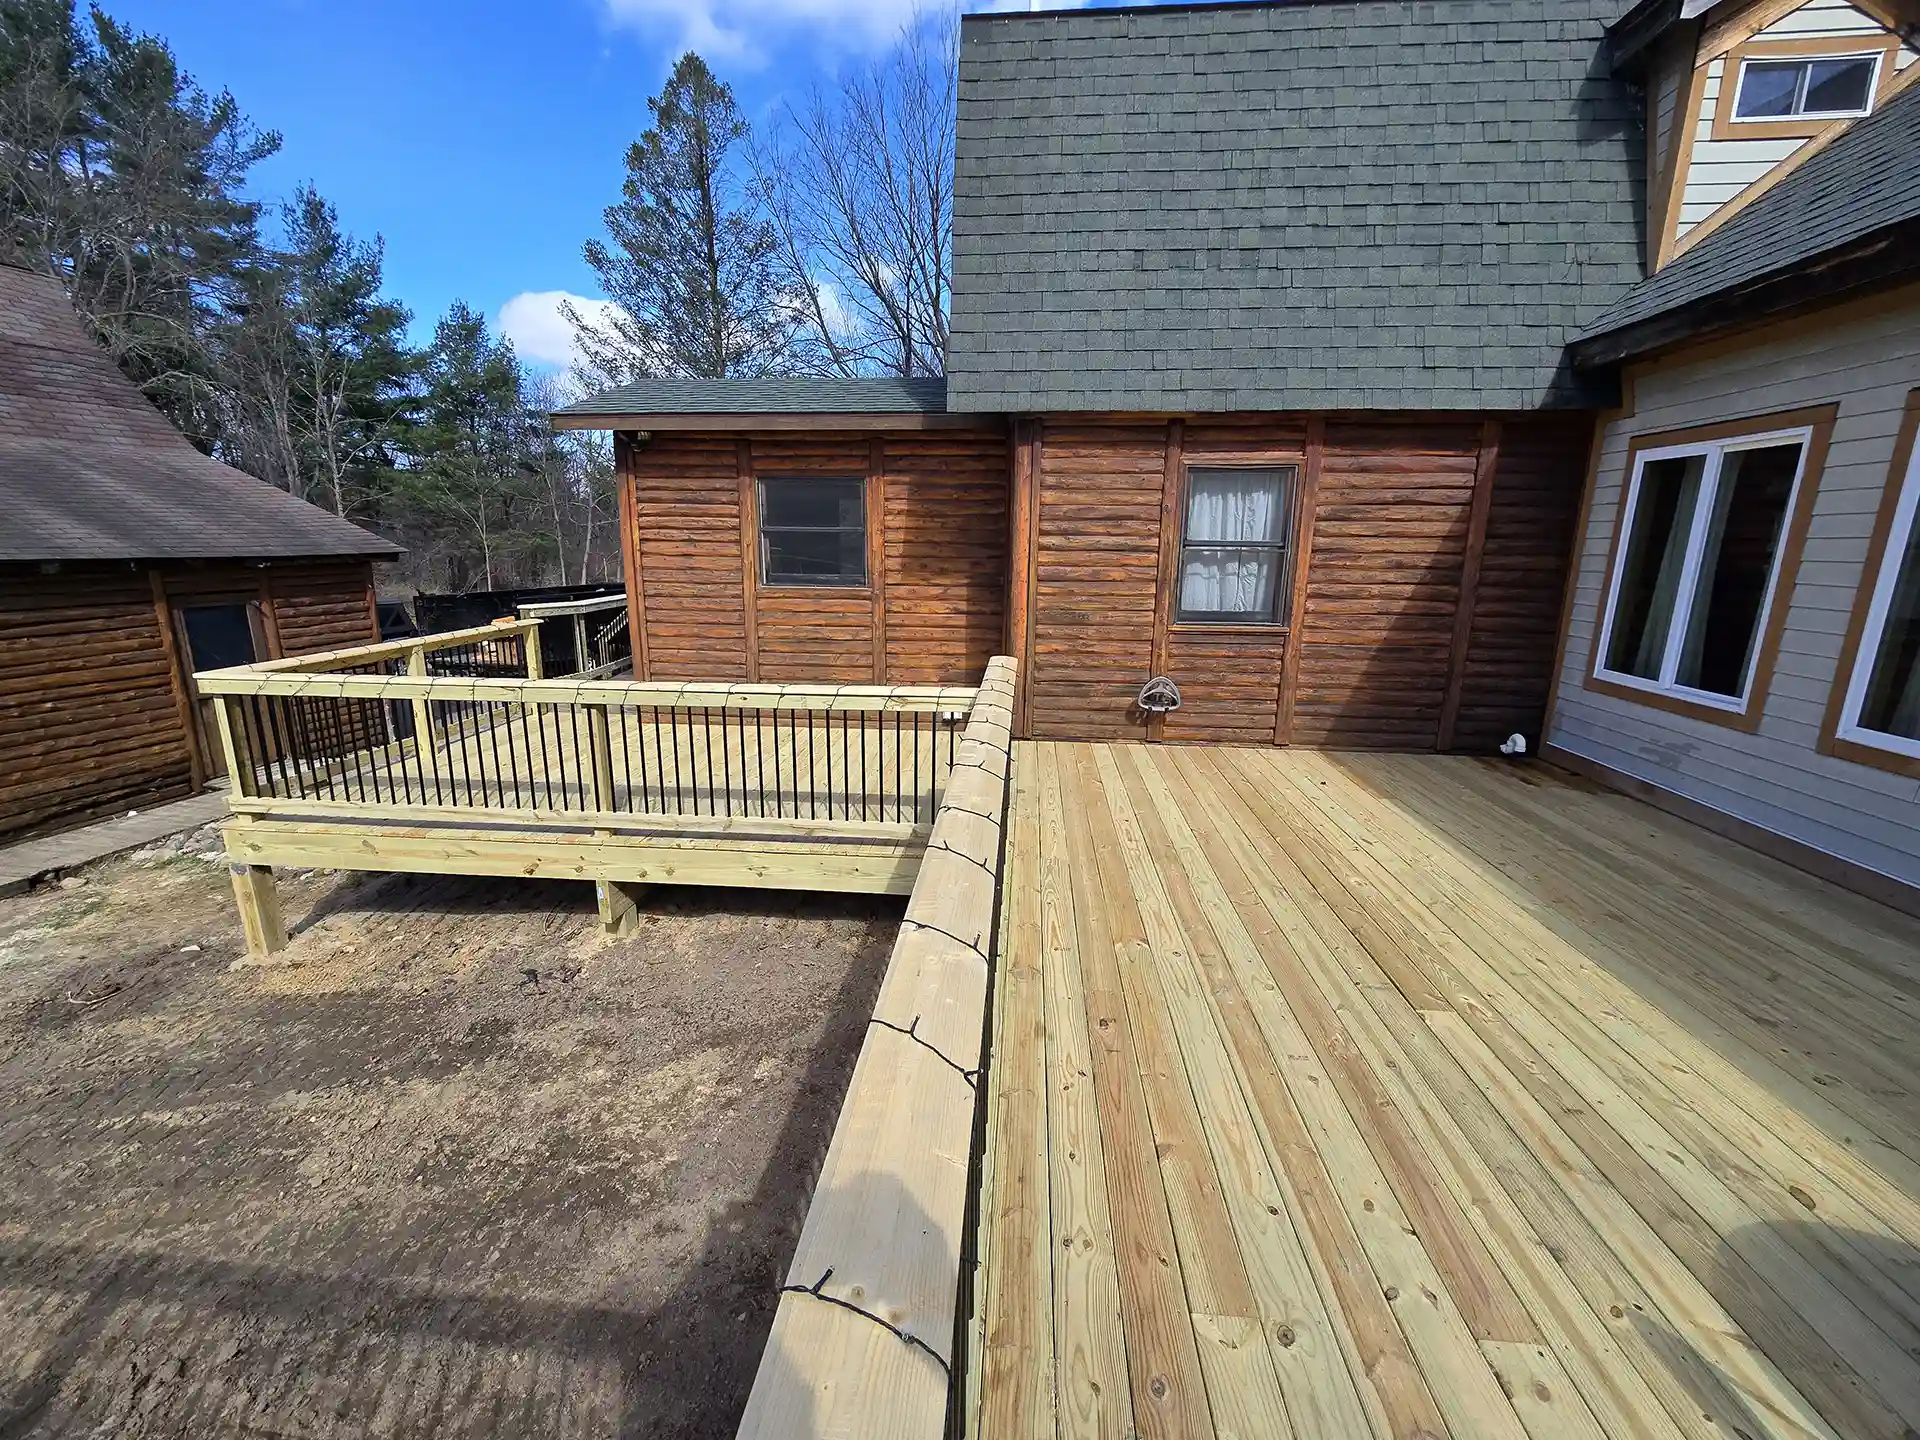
239, 755
422, 707
530, 645
600, 741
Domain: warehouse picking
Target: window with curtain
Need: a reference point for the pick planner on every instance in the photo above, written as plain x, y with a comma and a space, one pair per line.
1698, 565
813, 532
1883, 699
1234, 545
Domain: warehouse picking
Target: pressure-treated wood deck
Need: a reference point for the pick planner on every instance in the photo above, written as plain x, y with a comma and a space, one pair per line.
1340, 1096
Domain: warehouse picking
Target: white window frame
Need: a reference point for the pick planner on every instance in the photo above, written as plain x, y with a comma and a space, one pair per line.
1878, 57
1898, 536
1715, 452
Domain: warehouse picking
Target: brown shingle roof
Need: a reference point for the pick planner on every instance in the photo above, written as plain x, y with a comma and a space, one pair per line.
90, 471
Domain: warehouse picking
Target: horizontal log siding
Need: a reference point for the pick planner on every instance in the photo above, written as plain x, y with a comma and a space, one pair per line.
939, 509
687, 513
1096, 576
946, 556
322, 606
1523, 570
87, 717
1389, 544
1383, 584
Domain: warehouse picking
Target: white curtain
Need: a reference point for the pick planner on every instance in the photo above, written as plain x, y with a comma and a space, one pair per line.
1227, 508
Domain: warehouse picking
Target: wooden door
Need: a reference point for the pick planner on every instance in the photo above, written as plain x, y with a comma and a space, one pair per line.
212, 637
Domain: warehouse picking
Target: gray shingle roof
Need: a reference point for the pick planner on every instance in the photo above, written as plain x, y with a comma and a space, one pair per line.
786, 395
1852, 193
90, 471
1378, 204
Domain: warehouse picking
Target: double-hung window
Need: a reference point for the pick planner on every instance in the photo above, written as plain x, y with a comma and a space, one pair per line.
1235, 543
813, 532
1697, 567
1881, 706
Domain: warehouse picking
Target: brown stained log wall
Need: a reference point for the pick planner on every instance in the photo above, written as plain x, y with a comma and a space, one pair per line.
90, 718
1381, 642
932, 612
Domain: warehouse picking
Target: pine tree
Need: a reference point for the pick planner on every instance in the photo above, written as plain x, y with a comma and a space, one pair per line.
692, 263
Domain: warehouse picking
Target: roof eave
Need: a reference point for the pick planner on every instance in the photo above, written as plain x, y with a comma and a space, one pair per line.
710, 422
1880, 260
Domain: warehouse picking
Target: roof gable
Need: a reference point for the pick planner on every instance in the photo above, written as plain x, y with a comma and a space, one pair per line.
1393, 204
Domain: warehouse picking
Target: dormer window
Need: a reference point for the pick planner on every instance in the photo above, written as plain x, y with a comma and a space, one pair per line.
1817, 88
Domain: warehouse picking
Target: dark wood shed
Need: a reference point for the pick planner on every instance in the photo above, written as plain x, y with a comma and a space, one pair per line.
127, 561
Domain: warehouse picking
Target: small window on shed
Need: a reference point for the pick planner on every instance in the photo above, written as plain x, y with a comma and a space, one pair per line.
1816, 88
1233, 552
813, 532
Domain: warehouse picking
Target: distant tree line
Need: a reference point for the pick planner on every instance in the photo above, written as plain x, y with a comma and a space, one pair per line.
820, 246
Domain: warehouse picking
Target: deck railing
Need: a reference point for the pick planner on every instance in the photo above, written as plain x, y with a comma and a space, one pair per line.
589, 638
441, 725
456, 754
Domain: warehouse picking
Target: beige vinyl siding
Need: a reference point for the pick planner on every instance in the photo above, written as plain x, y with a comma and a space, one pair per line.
1823, 20
1775, 778
1720, 169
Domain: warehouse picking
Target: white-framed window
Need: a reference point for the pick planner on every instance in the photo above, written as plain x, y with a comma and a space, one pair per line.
1697, 566
1882, 704
1818, 87
1235, 543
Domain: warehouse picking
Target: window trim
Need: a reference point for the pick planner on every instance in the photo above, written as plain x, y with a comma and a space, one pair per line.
837, 586
1727, 125
1814, 429
1281, 620
1840, 738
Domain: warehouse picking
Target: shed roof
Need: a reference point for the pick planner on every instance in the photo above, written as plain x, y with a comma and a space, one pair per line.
1847, 219
650, 404
1371, 204
89, 470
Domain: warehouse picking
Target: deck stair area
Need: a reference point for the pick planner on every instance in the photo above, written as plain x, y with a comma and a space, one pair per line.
456, 754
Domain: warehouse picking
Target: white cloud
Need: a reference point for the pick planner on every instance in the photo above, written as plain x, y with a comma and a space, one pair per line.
747, 31
540, 333
737, 30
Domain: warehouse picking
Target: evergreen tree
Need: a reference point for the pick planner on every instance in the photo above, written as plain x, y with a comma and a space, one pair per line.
474, 451
123, 177
318, 363
693, 262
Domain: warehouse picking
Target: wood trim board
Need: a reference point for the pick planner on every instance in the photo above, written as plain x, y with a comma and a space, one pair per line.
1485, 471
1311, 462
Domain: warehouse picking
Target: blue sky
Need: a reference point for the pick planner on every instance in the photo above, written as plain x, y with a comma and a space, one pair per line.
483, 139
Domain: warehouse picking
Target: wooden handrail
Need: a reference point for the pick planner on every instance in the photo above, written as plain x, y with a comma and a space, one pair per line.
863, 1339
256, 680
548, 609
329, 660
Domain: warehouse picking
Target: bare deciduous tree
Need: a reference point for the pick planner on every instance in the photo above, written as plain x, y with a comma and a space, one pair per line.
859, 185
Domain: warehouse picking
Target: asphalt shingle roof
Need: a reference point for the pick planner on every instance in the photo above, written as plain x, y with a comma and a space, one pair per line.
1375, 204
89, 470
1866, 181
785, 395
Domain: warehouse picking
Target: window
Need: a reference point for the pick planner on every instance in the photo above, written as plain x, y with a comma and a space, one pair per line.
1233, 554
813, 532
1826, 86
1881, 709
219, 635
1697, 567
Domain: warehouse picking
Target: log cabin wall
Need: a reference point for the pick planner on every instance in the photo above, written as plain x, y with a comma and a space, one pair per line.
1426, 587
932, 611
95, 715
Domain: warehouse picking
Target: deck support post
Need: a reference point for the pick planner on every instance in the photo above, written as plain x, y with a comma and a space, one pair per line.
619, 906
259, 901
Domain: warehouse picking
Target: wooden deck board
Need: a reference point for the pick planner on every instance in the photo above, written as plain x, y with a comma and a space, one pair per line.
1411, 1096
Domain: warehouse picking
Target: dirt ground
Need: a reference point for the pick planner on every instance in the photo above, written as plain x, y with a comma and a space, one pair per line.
460, 1165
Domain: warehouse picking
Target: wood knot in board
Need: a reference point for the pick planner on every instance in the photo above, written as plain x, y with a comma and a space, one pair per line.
1158, 1386
1392, 1292
1802, 1196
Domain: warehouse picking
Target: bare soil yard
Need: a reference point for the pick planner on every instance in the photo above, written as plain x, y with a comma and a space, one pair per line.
458, 1166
